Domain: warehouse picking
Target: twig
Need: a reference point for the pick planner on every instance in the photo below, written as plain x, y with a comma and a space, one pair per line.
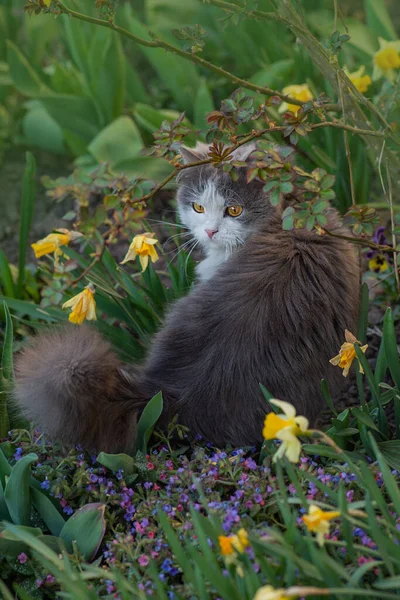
392, 226
346, 141
94, 262
373, 245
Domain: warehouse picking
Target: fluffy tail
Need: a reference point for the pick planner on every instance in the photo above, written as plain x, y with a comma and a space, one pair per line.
71, 384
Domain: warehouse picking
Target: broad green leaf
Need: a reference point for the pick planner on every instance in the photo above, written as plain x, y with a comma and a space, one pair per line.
4, 512
177, 74
147, 422
86, 528
391, 351
203, 105
147, 167
6, 279
11, 544
119, 141
117, 462
378, 19
47, 511
391, 452
25, 78
26, 212
7, 351
33, 310
41, 130
75, 114
17, 493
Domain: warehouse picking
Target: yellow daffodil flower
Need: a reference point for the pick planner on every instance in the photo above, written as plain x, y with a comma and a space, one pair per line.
287, 428
347, 354
52, 242
83, 306
378, 263
298, 92
142, 246
386, 60
359, 80
267, 592
229, 544
317, 521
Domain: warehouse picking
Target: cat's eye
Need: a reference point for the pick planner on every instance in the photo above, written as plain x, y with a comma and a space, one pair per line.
234, 211
198, 207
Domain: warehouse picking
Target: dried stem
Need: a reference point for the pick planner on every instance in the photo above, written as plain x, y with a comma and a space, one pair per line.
95, 261
362, 241
346, 141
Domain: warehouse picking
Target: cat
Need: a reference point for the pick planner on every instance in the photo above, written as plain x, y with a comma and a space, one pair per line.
271, 306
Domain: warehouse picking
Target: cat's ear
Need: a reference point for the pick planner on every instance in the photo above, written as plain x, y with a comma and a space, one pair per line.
199, 152
243, 152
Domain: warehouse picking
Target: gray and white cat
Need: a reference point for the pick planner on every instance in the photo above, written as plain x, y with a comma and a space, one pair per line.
271, 306
213, 210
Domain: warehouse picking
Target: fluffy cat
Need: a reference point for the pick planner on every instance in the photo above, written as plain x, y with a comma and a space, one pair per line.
271, 306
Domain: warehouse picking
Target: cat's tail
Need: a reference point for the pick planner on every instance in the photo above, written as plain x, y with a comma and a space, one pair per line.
72, 385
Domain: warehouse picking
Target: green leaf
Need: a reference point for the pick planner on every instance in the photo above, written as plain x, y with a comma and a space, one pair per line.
7, 352
378, 19
364, 418
75, 114
26, 212
147, 421
6, 279
203, 105
25, 78
327, 396
119, 141
17, 493
41, 130
11, 544
117, 462
391, 452
177, 74
47, 511
391, 351
86, 528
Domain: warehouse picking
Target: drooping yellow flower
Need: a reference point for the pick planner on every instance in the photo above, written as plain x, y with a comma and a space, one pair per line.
386, 60
142, 246
317, 521
52, 242
378, 263
287, 428
359, 80
347, 354
298, 92
83, 306
230, 543
267, 592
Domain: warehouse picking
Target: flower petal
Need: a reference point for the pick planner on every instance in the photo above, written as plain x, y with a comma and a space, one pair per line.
287, 408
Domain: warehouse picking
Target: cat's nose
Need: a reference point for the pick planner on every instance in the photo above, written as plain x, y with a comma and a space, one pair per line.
211, 232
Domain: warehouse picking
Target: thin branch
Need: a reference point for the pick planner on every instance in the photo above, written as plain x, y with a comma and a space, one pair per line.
362, 241
346, 138
95, 261
194, 58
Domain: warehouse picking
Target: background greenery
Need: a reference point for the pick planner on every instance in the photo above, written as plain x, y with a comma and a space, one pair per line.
87, 101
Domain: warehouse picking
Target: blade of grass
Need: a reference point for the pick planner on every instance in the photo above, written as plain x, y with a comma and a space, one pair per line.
26, 211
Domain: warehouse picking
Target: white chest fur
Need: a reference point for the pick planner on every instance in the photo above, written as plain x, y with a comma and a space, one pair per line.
208, 267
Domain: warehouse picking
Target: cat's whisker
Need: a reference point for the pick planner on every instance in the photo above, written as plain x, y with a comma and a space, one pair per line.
189, 253
184, 246
177, 235
167, 223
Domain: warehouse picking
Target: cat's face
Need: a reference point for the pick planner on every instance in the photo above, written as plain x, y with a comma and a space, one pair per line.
220, 213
